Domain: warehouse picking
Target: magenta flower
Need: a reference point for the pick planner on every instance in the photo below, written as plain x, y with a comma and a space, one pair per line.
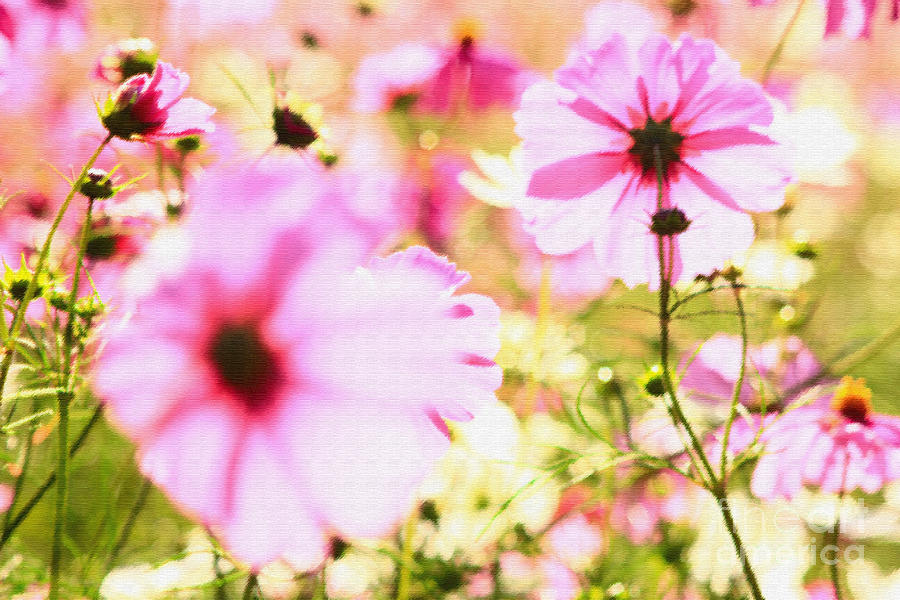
592, 141
40, 24
150, 107
837, 443
279, 395
440, 79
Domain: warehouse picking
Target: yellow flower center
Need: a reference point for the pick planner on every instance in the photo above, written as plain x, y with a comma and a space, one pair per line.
467, 30
853, 400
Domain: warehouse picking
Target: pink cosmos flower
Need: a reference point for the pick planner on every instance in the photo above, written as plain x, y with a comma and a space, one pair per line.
684, 106
837, 443
776, 369
440, 79
150, 107
276, 393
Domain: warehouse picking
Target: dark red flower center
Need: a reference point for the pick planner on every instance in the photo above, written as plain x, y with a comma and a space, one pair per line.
54, 4
656, 138
291, 129
245, 364
855, 408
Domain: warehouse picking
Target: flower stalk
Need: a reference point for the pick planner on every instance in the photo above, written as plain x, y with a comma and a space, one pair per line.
19, 317
715, 485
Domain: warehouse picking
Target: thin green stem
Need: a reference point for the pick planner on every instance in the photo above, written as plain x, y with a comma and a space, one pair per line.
252, 588
836, 534
51, 479
716, 487
738, 385
62, 470
19, 318
67, 382
20, 479
139, 504
779, 47
406, 561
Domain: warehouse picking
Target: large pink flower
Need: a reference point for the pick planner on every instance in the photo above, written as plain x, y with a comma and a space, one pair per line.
837, 443
592, 141
150, 107
277, 393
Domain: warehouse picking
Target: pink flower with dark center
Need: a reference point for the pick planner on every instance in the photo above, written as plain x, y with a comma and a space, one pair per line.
150, 107
440, 79
595, 139
279, 394
837, 443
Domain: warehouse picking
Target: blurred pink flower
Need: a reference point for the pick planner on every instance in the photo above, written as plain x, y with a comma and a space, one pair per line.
125, 59
6, 497
821, 590
639, 508
853, 18
619, 108
440, 79
150, 107
40, 24
778, 367
837, 443
278, 394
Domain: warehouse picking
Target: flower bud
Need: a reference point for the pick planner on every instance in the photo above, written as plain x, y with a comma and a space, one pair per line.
291, 129
126, 59
97, 186
652, 381
669, 221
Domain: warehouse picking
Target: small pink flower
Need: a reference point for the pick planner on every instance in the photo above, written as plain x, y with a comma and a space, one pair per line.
638, 509
821, 590
440, 79
837, 443
150, 107
775, 370
276, 393
592, 141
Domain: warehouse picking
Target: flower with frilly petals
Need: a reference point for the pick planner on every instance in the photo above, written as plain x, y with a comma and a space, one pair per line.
679, 108
278, 394
150, 107
837, 443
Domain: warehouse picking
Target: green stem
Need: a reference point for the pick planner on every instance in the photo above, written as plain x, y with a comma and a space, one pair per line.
251, 588
716, 487
738, 385
406, 561
779, 47
19, 317
833, 567
62, 470
51, 479
129, 524
20, 479
67, 381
